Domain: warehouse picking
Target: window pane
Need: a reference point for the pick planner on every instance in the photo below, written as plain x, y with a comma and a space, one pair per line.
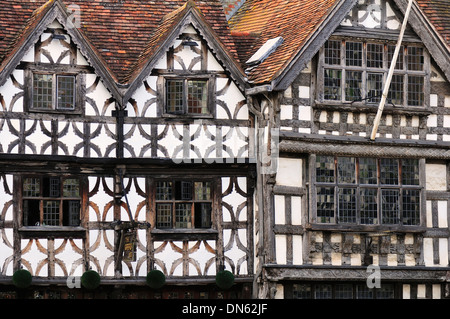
174, 96
353, 53
385, 292
395, 94
363, 292
374, 87
333, 52
197, 97
346, 167
415, 90
71, 187
368, 206
163, 215
202, 190
202, 215
42, 91
51, 187
415, 59
411, 207
183, 215
323, 292
51, 213
31, 213
347, 205
353, 83
325, 204
390, 206
66, 92
391, 50
31, 187
325, 169
343, 291
410, 172
332, 84
301, 291
374, 55
367, 171
183, 190
163, 190
389, 171
71, 213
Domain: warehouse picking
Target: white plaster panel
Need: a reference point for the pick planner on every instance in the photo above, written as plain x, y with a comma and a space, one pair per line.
6, 251
279, 210
442, 214
428, 251
34, 255
286, 112
280, 246
296, 210
443, 252
303, 92
297, 250
289, 172
304, 113
213, 64
436, 177
72, 260
99, 250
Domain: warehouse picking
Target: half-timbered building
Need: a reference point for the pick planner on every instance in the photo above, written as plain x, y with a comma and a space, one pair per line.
224, 149
346, 215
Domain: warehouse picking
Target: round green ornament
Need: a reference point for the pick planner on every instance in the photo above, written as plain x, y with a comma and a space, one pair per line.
22, 278
224, 279
90, 279
156, 279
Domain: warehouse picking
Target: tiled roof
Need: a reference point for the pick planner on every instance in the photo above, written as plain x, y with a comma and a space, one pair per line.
295, 21
119, 31
438, 13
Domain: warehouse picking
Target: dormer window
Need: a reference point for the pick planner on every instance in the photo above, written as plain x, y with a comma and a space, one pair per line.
53, 92
355, 72
187, 96
51, 89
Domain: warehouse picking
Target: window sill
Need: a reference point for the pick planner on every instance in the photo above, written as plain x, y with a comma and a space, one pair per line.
185, 234
52, 231
187, 116
364, 108
369, 229
76, 111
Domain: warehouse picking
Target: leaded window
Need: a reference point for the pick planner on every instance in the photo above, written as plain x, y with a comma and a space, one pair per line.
339, 291
51, 201
183, 204
370, 191
355, 71
187, 96
53, 92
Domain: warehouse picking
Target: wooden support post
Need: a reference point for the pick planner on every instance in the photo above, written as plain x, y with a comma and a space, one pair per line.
390, 74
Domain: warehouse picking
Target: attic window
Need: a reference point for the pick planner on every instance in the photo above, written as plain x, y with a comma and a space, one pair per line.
51, 91
187, 96
265, 51
355, 71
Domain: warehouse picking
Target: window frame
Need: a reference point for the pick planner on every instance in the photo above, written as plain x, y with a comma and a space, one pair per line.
358, 186
365, 70
42, 197
210, 99
78, 92
185, 233
44, 231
